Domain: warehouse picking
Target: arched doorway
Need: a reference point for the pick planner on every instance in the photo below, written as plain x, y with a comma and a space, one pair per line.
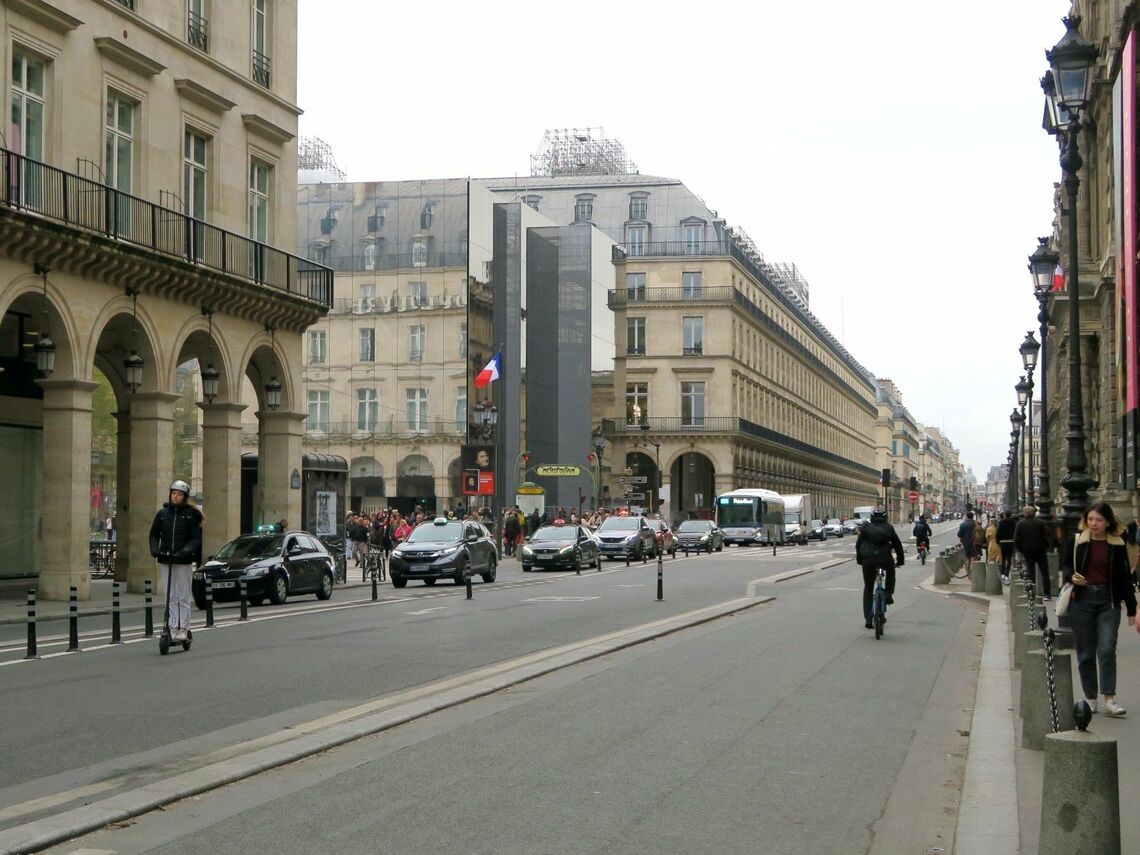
366, 485
693, 486
415, 484
642, 493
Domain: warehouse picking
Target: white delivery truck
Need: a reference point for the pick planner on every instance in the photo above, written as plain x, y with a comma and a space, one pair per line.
862, 513
797, 518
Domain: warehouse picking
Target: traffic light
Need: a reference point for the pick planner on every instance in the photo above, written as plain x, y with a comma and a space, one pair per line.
914, 483
886, 477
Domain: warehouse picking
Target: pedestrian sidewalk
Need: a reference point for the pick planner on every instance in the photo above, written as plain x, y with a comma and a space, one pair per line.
995, 771
13, 599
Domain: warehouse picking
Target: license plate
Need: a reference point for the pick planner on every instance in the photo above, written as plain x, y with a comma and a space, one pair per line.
224, 585
418, 568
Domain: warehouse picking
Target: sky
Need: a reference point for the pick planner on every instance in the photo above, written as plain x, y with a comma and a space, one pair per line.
892, 151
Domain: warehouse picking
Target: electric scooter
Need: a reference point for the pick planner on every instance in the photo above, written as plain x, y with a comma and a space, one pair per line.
164, 640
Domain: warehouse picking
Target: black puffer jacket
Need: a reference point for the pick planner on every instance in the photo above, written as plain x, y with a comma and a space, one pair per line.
877, 540
176, 534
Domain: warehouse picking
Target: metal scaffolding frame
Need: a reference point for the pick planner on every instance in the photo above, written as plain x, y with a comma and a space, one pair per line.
316, 154
580, 151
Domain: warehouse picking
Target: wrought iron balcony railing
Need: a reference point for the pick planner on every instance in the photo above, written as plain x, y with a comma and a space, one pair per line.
677, 294
33, 187
197, 32
387, 429
261, 69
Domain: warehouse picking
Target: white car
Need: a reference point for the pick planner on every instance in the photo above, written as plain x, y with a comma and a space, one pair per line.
834, 527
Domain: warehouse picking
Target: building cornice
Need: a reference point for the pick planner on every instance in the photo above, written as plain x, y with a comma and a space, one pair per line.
44, 13
203, 97
128, 57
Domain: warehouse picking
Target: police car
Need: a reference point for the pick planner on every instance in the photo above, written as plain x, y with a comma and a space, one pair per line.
561, 545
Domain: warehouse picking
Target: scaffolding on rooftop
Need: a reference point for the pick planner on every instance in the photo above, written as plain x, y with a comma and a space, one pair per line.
580, 151
316, 154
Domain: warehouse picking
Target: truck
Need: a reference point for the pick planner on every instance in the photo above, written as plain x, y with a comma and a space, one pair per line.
797, 518
863, 513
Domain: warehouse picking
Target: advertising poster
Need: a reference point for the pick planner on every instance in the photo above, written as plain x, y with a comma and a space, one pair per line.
478, 462
325, 522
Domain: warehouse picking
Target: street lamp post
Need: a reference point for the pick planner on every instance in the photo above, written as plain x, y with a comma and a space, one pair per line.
1071, 61
1024, 389
599, 440
1017, 419
1043, 266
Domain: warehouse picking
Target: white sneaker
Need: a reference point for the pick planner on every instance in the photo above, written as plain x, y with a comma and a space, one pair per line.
1092, 704
1113, 708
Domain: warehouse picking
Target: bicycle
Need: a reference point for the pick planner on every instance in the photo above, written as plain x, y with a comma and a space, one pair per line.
879, 603
374, 563
923, 548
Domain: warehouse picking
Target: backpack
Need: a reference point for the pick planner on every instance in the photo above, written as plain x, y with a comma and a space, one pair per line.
875, 546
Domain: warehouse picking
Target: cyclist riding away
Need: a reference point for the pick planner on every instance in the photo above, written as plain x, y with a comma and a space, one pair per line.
922, 533
877, 540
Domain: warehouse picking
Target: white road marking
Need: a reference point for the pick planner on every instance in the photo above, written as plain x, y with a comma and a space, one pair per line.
428, 611
560, 599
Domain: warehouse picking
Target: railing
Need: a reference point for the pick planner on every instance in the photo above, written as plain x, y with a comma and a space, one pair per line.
672, 247
704, 294
635, 351
130, 4
360, 263
696, 350
34, 187
389, 428
197, 32
261, 69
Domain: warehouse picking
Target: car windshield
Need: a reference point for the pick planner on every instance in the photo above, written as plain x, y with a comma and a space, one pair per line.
555, 533
833, 522
694, 525
432, 533
251, 547
620, 524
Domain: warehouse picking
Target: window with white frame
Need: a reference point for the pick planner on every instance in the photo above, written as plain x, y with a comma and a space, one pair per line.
636, 402
318, 347
635, 336
120, 142
419, 252
461, 408
367, 296
691, 285
318, 419
463, 338
261, 42
194, 164
584, 208
693, 404
367, 409
636, 238
635, 286
367, 345
29, 115
638, 206
693, 235
417, 334
418, 293
692, 335
417, 409
259, 200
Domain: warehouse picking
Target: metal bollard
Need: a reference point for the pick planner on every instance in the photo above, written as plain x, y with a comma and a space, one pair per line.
72, 619
644, 557
375, 593
148, 590
32, 625
209, 601
467, 578
116, 626
242, 592
627, 559
773, 549
660, 578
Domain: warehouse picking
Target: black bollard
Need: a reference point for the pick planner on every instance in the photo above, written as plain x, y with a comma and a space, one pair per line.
209, 602
467, 578
773, 549
149, 612
375, 593
244, 600
660, 578
627, 559
644, 557
72, 619
32, 625
116, 626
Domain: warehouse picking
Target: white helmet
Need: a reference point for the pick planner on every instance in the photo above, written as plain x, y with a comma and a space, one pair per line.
182, 487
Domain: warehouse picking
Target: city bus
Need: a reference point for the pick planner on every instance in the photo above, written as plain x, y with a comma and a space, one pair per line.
751, 516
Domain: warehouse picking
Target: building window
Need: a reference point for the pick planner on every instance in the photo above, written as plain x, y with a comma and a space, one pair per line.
426, 215
635, 336
260, 44
461, 409
635, 286
197, 28
692, 336
463, 338
259, 200
418, 334
367, 297
418, 293
638, 208
691, 285
635, 239
584, 208
417, 404
367, 409
29, 107
693, 236
636, 402
318, 411
318, 344
119, 154
368, 345
693, 404
195, 150
419, 252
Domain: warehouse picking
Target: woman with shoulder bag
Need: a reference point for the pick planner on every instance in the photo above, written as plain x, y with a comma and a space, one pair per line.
1095, 562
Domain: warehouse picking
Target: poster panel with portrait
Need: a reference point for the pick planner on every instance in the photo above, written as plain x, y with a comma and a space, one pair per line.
325, 522
478, 463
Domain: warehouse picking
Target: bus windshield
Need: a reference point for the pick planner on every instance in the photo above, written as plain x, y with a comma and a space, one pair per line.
738, 511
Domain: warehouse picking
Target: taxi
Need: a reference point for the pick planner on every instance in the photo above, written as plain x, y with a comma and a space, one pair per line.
561, 545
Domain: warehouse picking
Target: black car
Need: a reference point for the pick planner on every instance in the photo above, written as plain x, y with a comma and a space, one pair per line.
444, 549
698, 535
560, 545
273, 565
622, 537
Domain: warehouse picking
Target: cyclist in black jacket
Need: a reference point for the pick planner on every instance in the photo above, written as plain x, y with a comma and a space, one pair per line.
877, 540
922, 532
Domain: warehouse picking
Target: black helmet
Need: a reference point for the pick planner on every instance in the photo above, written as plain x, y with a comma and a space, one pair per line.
878, 515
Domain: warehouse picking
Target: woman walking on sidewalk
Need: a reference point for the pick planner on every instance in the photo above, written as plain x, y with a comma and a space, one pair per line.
1096, 563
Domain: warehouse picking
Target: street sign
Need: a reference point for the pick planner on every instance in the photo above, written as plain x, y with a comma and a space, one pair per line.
557, 470
634, 479
912, 496
635, 497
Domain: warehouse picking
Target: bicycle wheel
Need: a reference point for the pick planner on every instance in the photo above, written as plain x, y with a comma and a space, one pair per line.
878, 612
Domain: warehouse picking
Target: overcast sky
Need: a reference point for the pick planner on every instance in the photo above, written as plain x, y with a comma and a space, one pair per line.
892, 151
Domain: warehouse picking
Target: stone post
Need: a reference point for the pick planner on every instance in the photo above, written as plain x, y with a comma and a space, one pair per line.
1036, 716
152, 466
1080, 795
279, 458
221, 474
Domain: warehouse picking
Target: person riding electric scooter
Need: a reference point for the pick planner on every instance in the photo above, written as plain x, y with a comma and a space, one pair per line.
176, 541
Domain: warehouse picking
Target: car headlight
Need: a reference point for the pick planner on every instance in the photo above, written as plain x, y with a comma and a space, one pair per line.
632, 538
565, 550
396, 553
528, 552
451, 550
704, 537
257, 572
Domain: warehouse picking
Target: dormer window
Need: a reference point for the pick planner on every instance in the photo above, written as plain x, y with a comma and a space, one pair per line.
426, 215
419, 252
692, 235
376, 220
584, 207
639, 206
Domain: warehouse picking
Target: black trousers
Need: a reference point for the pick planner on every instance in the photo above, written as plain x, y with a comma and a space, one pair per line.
1006, 556
1039, 561
870, 574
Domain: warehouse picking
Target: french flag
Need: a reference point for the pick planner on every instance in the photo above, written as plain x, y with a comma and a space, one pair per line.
1059, 279
491, 372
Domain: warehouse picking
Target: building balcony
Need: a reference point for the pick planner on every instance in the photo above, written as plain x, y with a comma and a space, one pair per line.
261, 69
673, 294
114, 235
390, 429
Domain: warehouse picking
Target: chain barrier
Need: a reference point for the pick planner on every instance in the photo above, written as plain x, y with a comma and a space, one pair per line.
1050, 673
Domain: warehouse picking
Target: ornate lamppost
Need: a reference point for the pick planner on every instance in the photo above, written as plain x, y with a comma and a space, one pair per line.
1024, 389
1043, 267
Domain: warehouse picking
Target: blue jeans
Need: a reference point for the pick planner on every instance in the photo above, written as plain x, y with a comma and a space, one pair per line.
1096, 623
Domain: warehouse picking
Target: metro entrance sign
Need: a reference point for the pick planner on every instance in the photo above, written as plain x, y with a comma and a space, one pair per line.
912, 496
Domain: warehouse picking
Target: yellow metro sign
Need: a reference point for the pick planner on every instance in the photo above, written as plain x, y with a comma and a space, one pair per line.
557, 470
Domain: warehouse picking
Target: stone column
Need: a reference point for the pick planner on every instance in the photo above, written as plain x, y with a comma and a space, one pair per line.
66, 489
151, 466
123, 495
221, 474
279, 457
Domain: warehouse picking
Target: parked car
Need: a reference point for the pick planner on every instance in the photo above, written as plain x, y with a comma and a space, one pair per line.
699, 535
834, 527
560, 545
817, 530
621, 537
666, 540
444, 549
274, 566
850, 526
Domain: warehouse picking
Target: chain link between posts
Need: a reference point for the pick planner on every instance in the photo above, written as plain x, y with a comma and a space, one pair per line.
1051, 681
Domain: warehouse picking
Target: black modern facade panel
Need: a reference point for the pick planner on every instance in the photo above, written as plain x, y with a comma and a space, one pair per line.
506, 324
